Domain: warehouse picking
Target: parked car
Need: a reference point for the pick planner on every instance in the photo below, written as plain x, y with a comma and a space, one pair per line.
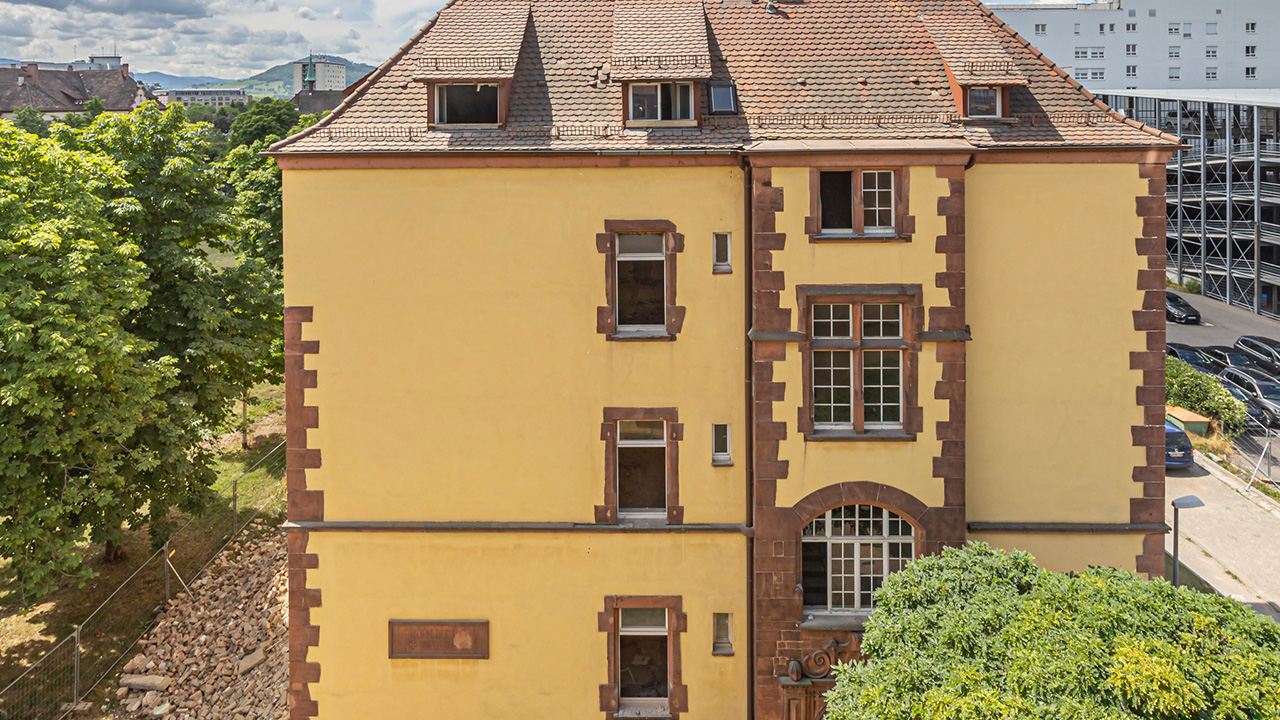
1178, 452
1179, 310
1189, 355
1264, 351
1221, 357
1251, 406
1261, 387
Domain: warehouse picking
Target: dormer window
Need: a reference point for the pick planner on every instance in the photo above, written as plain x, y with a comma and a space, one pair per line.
984, 102
660, 102
467, 104
722, 99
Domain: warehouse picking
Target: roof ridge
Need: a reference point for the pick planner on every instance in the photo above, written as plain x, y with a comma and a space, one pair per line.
364, 86
1072, 82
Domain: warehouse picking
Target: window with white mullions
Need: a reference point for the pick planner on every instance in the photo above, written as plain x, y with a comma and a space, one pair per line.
881, 321
641, 282
661, 101
642, 468
643, 659
833, 388
882, 389
877, 201
847, 552
857, 377
833, 321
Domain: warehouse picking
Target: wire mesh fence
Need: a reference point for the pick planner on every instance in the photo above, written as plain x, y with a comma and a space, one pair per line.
1256, 452
65, 675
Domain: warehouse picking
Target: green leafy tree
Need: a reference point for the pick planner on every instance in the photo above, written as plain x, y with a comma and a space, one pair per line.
76, 387
93, 107
263, 118
1202, 393
978, 634
213, 324
32, 120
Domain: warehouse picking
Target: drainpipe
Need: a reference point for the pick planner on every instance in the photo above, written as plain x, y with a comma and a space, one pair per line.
749, 385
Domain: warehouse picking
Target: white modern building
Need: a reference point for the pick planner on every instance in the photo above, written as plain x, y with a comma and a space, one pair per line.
212, 97
1155, 44
318, 73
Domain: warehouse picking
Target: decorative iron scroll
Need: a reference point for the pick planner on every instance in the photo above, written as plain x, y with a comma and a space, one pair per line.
819, 663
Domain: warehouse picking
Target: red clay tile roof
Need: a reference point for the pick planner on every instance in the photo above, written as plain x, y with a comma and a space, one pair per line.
473, 41
974, 54
837, 70
659, 40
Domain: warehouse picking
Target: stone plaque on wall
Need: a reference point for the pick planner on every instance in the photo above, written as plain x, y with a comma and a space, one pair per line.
438, 639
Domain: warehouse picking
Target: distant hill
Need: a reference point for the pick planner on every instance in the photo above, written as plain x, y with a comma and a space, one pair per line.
165, 80
278, 81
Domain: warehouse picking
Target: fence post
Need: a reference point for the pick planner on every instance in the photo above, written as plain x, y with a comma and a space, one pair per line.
235, 505
77, 670
166, 571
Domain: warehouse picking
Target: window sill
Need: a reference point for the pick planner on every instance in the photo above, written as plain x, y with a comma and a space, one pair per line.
834, 237
865, 436
721, 462
633, 712
642, 521
852, 622
642, 335
993, 120
721, 269
722, 653
645, 124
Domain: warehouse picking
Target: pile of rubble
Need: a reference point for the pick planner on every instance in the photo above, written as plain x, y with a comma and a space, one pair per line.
219, 651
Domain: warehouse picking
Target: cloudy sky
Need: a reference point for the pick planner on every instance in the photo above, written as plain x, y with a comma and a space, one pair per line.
221, 38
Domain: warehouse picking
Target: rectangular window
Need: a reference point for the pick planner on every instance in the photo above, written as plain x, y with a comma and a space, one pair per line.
642, 468
1131, 27
643, 659
1175, 73
1111, 27
857, 204
1041, 29
845, 378
1211, 52
721, 452
1091, 73
877, 202
722, 639
721, 98
1186, 30
641, 282
1211, 73
722, 253
1131, 71
661, 102
1251, 28
1102, 28
1175, 28
1077, 28
1082, 53
1131, 50
467, 104
837, 202
1251, 51
1175, 51
1211, 28
1251, 73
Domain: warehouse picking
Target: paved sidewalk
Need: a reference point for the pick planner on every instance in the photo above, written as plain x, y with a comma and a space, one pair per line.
1233, 543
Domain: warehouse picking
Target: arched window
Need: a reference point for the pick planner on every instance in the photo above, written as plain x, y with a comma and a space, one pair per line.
848, 551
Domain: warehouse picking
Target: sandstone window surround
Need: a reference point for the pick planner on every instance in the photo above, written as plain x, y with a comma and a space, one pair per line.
859, 204
628, 460
641, 680
640, 280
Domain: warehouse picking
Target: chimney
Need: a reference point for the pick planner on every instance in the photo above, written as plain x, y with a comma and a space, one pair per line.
124, 69
33, 70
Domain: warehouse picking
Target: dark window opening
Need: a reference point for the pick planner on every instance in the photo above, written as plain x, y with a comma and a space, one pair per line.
643, 666
467, 105
642, 478
813, 574
984, 102
640, 293
836, 190
721, 260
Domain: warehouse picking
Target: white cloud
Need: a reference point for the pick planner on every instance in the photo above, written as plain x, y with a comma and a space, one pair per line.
306, 13
337, 13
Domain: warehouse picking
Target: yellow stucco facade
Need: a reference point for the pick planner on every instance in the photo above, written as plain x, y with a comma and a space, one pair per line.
457, 380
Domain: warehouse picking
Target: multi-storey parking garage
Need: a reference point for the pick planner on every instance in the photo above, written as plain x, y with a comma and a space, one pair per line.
1223, 190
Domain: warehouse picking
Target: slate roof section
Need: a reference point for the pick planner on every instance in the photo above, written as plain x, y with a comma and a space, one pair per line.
659, 40
837, 69
473, 41
65, 91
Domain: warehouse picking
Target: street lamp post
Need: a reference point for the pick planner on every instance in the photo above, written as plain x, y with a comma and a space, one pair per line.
1186, 502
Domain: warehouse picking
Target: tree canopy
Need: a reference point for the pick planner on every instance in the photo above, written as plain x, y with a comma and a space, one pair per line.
978, 633
261, 119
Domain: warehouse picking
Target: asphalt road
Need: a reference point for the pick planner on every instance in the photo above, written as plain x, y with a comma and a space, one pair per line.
1221, 324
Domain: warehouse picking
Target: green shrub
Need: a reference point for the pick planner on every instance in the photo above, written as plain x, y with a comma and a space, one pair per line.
1202, 393
978, 633
1192, 286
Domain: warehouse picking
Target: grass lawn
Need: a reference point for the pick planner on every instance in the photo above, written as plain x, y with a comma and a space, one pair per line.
26, 636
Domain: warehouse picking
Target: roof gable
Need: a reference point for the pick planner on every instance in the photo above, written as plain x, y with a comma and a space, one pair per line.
472, 41
659, 40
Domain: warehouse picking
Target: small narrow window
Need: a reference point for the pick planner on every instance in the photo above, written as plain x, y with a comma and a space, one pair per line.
467, 104
641, 275
1042, 29
1251, 73
722, 98
1131, 27
1102, 28
1175, 73
642, 468
984, 102
1211, 52
1131, 50
877, 202
1131, 71
722, 253
1251, 28
837, 201
1175, 51
1251, 51
722, 641
1077, 28
643, 659
1175, 28
1211, 73
653, 102
720, 449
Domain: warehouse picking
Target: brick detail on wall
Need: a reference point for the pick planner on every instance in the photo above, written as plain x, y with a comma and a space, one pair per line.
949, 465
302, 505
1148, 505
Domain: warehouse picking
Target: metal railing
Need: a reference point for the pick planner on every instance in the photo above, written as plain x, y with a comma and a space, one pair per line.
62, 677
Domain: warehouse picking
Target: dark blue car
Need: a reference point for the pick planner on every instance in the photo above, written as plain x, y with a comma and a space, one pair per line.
1177, 447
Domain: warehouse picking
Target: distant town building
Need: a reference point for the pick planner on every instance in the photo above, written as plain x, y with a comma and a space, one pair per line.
319, 73
1155, 44
59, 91
212, 97
314, 101
95, 62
